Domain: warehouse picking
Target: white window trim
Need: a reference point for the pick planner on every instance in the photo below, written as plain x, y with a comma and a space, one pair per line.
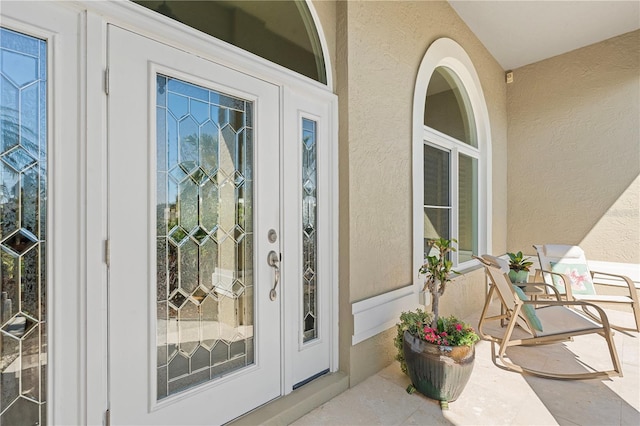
454, 148
445, 52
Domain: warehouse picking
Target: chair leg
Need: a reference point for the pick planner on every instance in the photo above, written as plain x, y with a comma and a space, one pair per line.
613, 352
510, 366
485, 310
636, 314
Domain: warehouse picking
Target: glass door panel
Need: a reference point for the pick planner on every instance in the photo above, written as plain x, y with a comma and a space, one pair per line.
309, 230
205, 240
23, 172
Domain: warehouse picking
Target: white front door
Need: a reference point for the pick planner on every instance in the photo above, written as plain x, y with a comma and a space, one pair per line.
194, 326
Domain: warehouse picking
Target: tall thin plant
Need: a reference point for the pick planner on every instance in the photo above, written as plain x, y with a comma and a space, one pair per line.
438, 272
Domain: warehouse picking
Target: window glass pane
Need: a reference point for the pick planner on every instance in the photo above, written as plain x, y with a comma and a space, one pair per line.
204, 231
280, 31
436, 177
436, 225
467, 207
23, 213
447, 107
309, 230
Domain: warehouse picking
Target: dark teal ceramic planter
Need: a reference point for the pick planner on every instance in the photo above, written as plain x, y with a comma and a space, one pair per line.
438, 372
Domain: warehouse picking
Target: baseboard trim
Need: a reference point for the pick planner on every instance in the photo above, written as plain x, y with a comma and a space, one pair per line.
379, 313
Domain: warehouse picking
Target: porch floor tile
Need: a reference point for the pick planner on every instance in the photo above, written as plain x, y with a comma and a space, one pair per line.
494, 396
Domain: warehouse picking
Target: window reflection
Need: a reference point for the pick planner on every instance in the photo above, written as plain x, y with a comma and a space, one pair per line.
468, 207
309, 230
205, 234
447, 107
23, 206
280, 31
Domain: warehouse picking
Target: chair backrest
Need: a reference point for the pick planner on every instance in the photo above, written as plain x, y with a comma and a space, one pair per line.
497, 270
569, 260
497, 262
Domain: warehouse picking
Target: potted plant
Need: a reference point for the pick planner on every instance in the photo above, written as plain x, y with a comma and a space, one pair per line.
437, 353
518, 267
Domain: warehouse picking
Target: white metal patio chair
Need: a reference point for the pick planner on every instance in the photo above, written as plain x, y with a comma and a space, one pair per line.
565, 267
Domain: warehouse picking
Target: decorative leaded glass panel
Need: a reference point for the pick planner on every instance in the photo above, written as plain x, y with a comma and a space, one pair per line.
205, 235
309, 230
23, 168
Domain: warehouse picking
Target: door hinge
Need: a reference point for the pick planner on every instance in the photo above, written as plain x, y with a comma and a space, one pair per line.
107, 418
106, 81
107, 253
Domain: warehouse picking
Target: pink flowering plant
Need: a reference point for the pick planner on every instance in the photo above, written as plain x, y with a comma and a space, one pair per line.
450, 332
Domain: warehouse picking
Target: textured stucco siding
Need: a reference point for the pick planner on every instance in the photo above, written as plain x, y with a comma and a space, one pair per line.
574, 151
386, 43
380, 46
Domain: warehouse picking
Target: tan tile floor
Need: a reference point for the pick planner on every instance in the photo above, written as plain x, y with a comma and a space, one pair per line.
497, 397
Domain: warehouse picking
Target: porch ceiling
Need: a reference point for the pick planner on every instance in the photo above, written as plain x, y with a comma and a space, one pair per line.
519, 33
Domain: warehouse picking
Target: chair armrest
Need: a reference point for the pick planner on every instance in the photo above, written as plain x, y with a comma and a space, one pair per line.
553, 288
603, 316
627, 280
565, 279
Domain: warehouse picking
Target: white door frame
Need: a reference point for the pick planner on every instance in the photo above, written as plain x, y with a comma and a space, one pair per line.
66, 320
78, 276
147, 23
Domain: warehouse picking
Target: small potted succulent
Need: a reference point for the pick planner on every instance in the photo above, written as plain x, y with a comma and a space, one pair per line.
519, 267
437, 353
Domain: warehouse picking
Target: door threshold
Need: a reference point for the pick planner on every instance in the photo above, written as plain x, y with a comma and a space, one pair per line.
289, 408
310, 379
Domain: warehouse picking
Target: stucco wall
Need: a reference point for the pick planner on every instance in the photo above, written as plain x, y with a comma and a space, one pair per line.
387, 41
379, 49
574, 151
326, 11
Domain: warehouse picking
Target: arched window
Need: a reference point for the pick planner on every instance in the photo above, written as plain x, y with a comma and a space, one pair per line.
451, 154
280, 31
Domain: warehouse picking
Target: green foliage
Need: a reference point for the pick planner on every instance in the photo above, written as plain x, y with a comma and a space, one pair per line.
517, 262
438, 268
438, 271
450, 331
453, 332
414, 323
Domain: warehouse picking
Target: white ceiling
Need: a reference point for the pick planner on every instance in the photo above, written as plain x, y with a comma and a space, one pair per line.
521, 32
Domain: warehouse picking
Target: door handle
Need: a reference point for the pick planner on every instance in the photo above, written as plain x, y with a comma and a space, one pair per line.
274, 261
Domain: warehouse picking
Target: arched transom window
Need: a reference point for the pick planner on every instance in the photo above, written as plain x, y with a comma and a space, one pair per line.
280, 31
